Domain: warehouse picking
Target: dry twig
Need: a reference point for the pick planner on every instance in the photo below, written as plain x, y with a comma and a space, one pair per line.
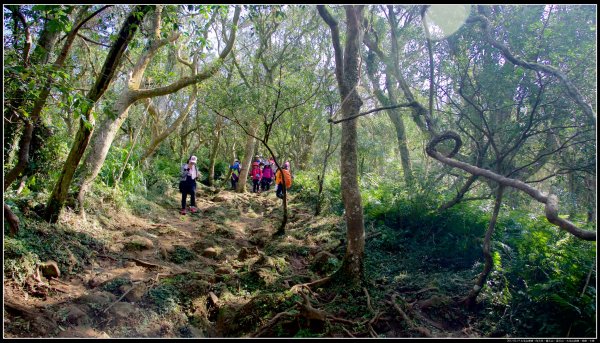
135, 284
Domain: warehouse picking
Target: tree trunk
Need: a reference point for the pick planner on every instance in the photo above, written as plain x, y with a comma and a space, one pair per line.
227, 178
161, 137
61, 189
487, 254
572, 195
461, 193
394, 115
100, 145
247, 162
590, 183
133, 142
321, 178
353, 264
398, 122
126, 34
108, 128
347, 74
305, 150
213, 152
284, 219
13, 220
39, 56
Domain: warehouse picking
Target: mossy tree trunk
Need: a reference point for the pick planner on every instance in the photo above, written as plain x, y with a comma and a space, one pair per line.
347, 74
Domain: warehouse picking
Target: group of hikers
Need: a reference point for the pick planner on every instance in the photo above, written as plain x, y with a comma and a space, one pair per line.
261, 175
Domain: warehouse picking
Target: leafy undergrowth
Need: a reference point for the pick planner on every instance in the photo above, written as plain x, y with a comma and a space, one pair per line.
221, 273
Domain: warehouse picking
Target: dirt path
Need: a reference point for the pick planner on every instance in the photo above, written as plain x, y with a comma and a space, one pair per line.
215, 273
123, 293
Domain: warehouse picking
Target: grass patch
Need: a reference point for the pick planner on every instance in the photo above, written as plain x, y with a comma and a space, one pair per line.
38, 241
181, 255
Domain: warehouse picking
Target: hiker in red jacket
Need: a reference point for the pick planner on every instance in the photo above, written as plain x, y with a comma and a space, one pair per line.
256, 175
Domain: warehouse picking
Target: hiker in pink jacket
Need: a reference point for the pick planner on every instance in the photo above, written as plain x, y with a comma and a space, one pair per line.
267, 177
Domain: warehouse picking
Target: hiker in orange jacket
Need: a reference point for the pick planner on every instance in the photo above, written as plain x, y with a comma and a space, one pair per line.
279, 179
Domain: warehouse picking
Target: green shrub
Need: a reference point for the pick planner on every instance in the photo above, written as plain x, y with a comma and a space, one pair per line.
181, 254
546, 270
165, 298
305, 189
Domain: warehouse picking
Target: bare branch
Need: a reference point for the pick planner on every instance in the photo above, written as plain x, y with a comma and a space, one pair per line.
92, 41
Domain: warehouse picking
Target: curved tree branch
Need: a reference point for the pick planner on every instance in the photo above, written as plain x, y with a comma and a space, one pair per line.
550, 200
197, 78
410, 104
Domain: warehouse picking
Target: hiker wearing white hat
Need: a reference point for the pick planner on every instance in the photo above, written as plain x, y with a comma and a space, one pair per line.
187, 184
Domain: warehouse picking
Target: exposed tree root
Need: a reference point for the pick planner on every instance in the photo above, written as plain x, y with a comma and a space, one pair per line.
371, 322
297, 288
424, 331
41, 321
145, 264
375, 318
348, 332
307, 311
432, 301
368, 300
19, 309
424, 318
272, 322
106, 256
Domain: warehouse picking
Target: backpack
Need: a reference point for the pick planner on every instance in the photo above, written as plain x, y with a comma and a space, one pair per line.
287, 177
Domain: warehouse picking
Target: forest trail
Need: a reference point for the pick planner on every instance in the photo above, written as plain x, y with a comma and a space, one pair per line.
218, 273
110, 298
